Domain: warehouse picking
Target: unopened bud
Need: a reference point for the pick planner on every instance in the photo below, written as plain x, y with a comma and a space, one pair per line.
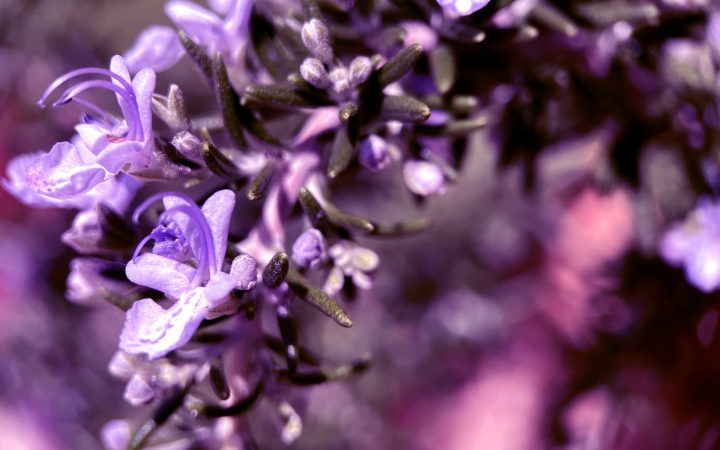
187, 144
360, 69
424, 178
339, 78
374, 153
316, 37
313, 71
309, 249
172, 109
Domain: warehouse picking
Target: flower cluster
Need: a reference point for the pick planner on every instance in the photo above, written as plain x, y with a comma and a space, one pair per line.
238, 211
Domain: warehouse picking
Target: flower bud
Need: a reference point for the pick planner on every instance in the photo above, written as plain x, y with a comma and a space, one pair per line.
244, 270
138, 391
188, 144
316, 37
309, 249
374, 153
313, 71
172, 109
360, 70
424, 178
339, 78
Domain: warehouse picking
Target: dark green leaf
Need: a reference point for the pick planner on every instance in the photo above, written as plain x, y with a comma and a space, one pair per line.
158, 418
399, 65
217, 379
404, 109
260, 182
317, 297
443, 67
343, 151
281, 96
276, 270
197, 54
228, 101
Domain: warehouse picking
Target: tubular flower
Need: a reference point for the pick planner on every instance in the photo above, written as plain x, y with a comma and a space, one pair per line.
104, 146
185, 235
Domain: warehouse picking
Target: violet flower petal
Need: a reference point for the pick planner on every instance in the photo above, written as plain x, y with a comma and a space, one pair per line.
221, 6
166, 275
144, 87
202, 25
62, 174
218, 288
152, 330
118, 66
17, 185
157, 48
218, 210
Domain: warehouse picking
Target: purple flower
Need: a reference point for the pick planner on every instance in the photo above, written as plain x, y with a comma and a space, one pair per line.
104, 146
309, 248
351, 260
159, 47
186, 235
695, 244
113, 144
424, 178
462, 7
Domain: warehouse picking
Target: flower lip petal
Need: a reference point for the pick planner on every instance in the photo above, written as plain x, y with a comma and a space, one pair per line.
155, 331
61, 173
166, 275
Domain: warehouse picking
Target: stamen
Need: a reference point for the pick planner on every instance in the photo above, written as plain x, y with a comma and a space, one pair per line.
140, 246
133, 122
206, 256
108, 118
86, 71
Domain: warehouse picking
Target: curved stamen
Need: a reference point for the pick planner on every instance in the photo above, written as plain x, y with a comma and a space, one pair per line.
194, 212
206, 259
86, 71
111, 121
140, 246
133, 122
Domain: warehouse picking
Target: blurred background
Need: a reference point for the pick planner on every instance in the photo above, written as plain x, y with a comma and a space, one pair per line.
522, 319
